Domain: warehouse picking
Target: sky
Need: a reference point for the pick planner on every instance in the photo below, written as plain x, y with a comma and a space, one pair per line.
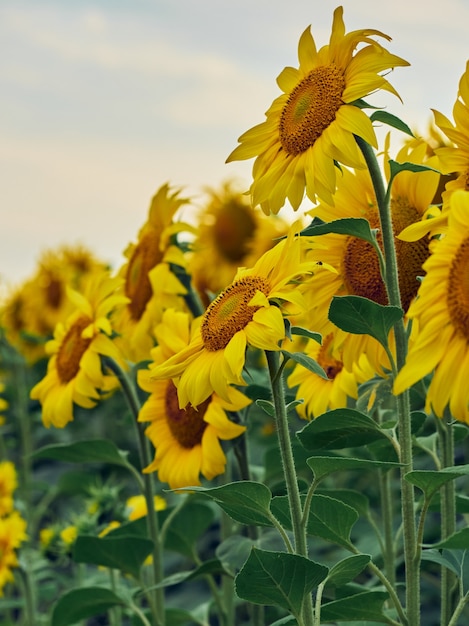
102, 102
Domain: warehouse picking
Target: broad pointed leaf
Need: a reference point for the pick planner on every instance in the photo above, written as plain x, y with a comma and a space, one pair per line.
92, 451
429, 481
126, 554
396, 168
307, 362
362, 606
79, 604
361, 316
391, 120
305, 332
329, 518
347, 569
340, 428
278, 578
209, 567
244, 501
325, 465
457, 541
187, 526
353, 226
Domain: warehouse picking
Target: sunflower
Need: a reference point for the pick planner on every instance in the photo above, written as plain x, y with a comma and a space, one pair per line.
313, 124
230, 234
32, 310
247, 313
455, 158
137, 506
356, 261
12, 535
319, 394
3, 404
186, 440
441, 314
74, 372
149, 283
8, 484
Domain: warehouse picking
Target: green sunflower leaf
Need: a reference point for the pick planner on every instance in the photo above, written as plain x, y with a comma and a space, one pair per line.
267, 406
328, 518
79, 604
338, 429
126, 554
347, 569
429, 481
305, 332
187, 526
325, 465
457, 541
391, 120
278, 578
396, 168
91, 451
353, 226
245, 501
359, 607
213, 566
362, 316
307, 362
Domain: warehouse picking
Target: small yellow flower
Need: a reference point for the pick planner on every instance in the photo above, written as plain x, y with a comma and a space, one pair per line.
46, 535
69, 534
137, 506
12, 535
8, 484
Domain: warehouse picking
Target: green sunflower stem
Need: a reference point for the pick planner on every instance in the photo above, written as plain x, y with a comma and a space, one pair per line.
448, 513
391, 279
156, 596
288, 466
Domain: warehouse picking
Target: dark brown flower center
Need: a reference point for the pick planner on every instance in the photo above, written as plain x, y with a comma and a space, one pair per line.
73, 347
458, 290
186, 425
311, 108
362, 274
137, 283
233, 230
54, 293
329, 364
230, 312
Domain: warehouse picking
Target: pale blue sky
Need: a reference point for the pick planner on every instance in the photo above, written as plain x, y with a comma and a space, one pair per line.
102, 102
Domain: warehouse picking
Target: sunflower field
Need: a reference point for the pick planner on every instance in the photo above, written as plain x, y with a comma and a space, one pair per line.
255, 420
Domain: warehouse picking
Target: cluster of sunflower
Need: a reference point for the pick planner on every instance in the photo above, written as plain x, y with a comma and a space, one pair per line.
12, 524
193, 304
198, 303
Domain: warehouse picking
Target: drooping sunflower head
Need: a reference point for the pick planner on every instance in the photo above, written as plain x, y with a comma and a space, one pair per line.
149, 284
33, 310
186, 438
230, 234
454, 158
441, 317
357, 261
312, 125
